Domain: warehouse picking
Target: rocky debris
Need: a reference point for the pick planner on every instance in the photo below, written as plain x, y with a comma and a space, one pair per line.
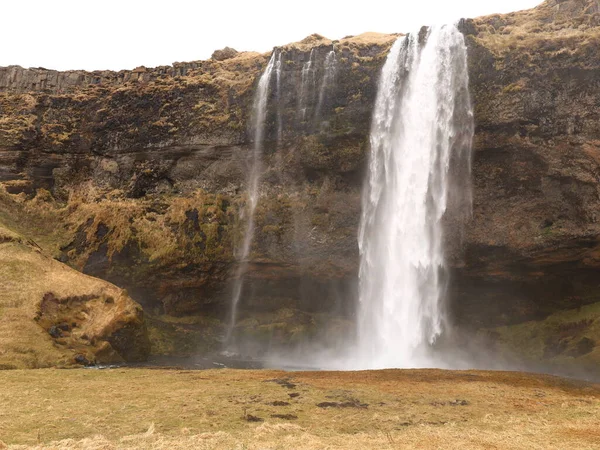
351, 403
283, 382
456, 402
279, 403
284, 416
251, 418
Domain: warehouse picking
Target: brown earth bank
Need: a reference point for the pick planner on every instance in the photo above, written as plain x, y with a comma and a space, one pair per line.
53, 315
138, 177
164, 409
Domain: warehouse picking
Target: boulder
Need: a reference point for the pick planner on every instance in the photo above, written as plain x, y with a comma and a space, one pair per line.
224, 53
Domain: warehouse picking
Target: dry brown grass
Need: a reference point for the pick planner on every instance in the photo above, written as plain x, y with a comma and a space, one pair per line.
549, 27
127, 221
40, 219
160, 409
370, 38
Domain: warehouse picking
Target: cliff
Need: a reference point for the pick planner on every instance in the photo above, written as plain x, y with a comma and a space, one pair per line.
138, 177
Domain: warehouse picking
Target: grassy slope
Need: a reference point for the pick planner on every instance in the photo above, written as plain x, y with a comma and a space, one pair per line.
26, 275
22, 270
142, 408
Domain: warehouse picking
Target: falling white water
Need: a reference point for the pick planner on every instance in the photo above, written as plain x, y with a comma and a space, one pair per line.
259, 114
307, 85
328, 79
278, 97
422, 125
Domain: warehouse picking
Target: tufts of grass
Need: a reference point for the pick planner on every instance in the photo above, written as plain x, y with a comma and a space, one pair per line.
142, 408
545, 29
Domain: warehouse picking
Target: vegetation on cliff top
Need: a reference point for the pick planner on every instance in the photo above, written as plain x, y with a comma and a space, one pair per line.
554, 27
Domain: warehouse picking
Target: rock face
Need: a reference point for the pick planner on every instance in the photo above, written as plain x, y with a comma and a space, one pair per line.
153, 175
147, 172
53, 315
533, 240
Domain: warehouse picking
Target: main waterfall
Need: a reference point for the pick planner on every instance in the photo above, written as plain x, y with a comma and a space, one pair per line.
419, 169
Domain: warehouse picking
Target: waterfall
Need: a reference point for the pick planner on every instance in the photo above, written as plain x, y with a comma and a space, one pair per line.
307, 84
278, 98
420, 139
259, 114
328, 79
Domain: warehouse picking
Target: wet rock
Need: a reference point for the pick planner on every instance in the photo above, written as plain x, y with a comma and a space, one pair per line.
583, 347
352, 403
80, 359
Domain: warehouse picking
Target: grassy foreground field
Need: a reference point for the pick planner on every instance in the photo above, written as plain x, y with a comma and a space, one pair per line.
235, 409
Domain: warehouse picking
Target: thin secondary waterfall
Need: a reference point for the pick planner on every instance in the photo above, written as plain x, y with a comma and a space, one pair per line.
328, 79
278, 69
307, 84
259, 114
421, 135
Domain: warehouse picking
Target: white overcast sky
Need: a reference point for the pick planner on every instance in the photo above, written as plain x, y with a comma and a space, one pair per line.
123, 34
